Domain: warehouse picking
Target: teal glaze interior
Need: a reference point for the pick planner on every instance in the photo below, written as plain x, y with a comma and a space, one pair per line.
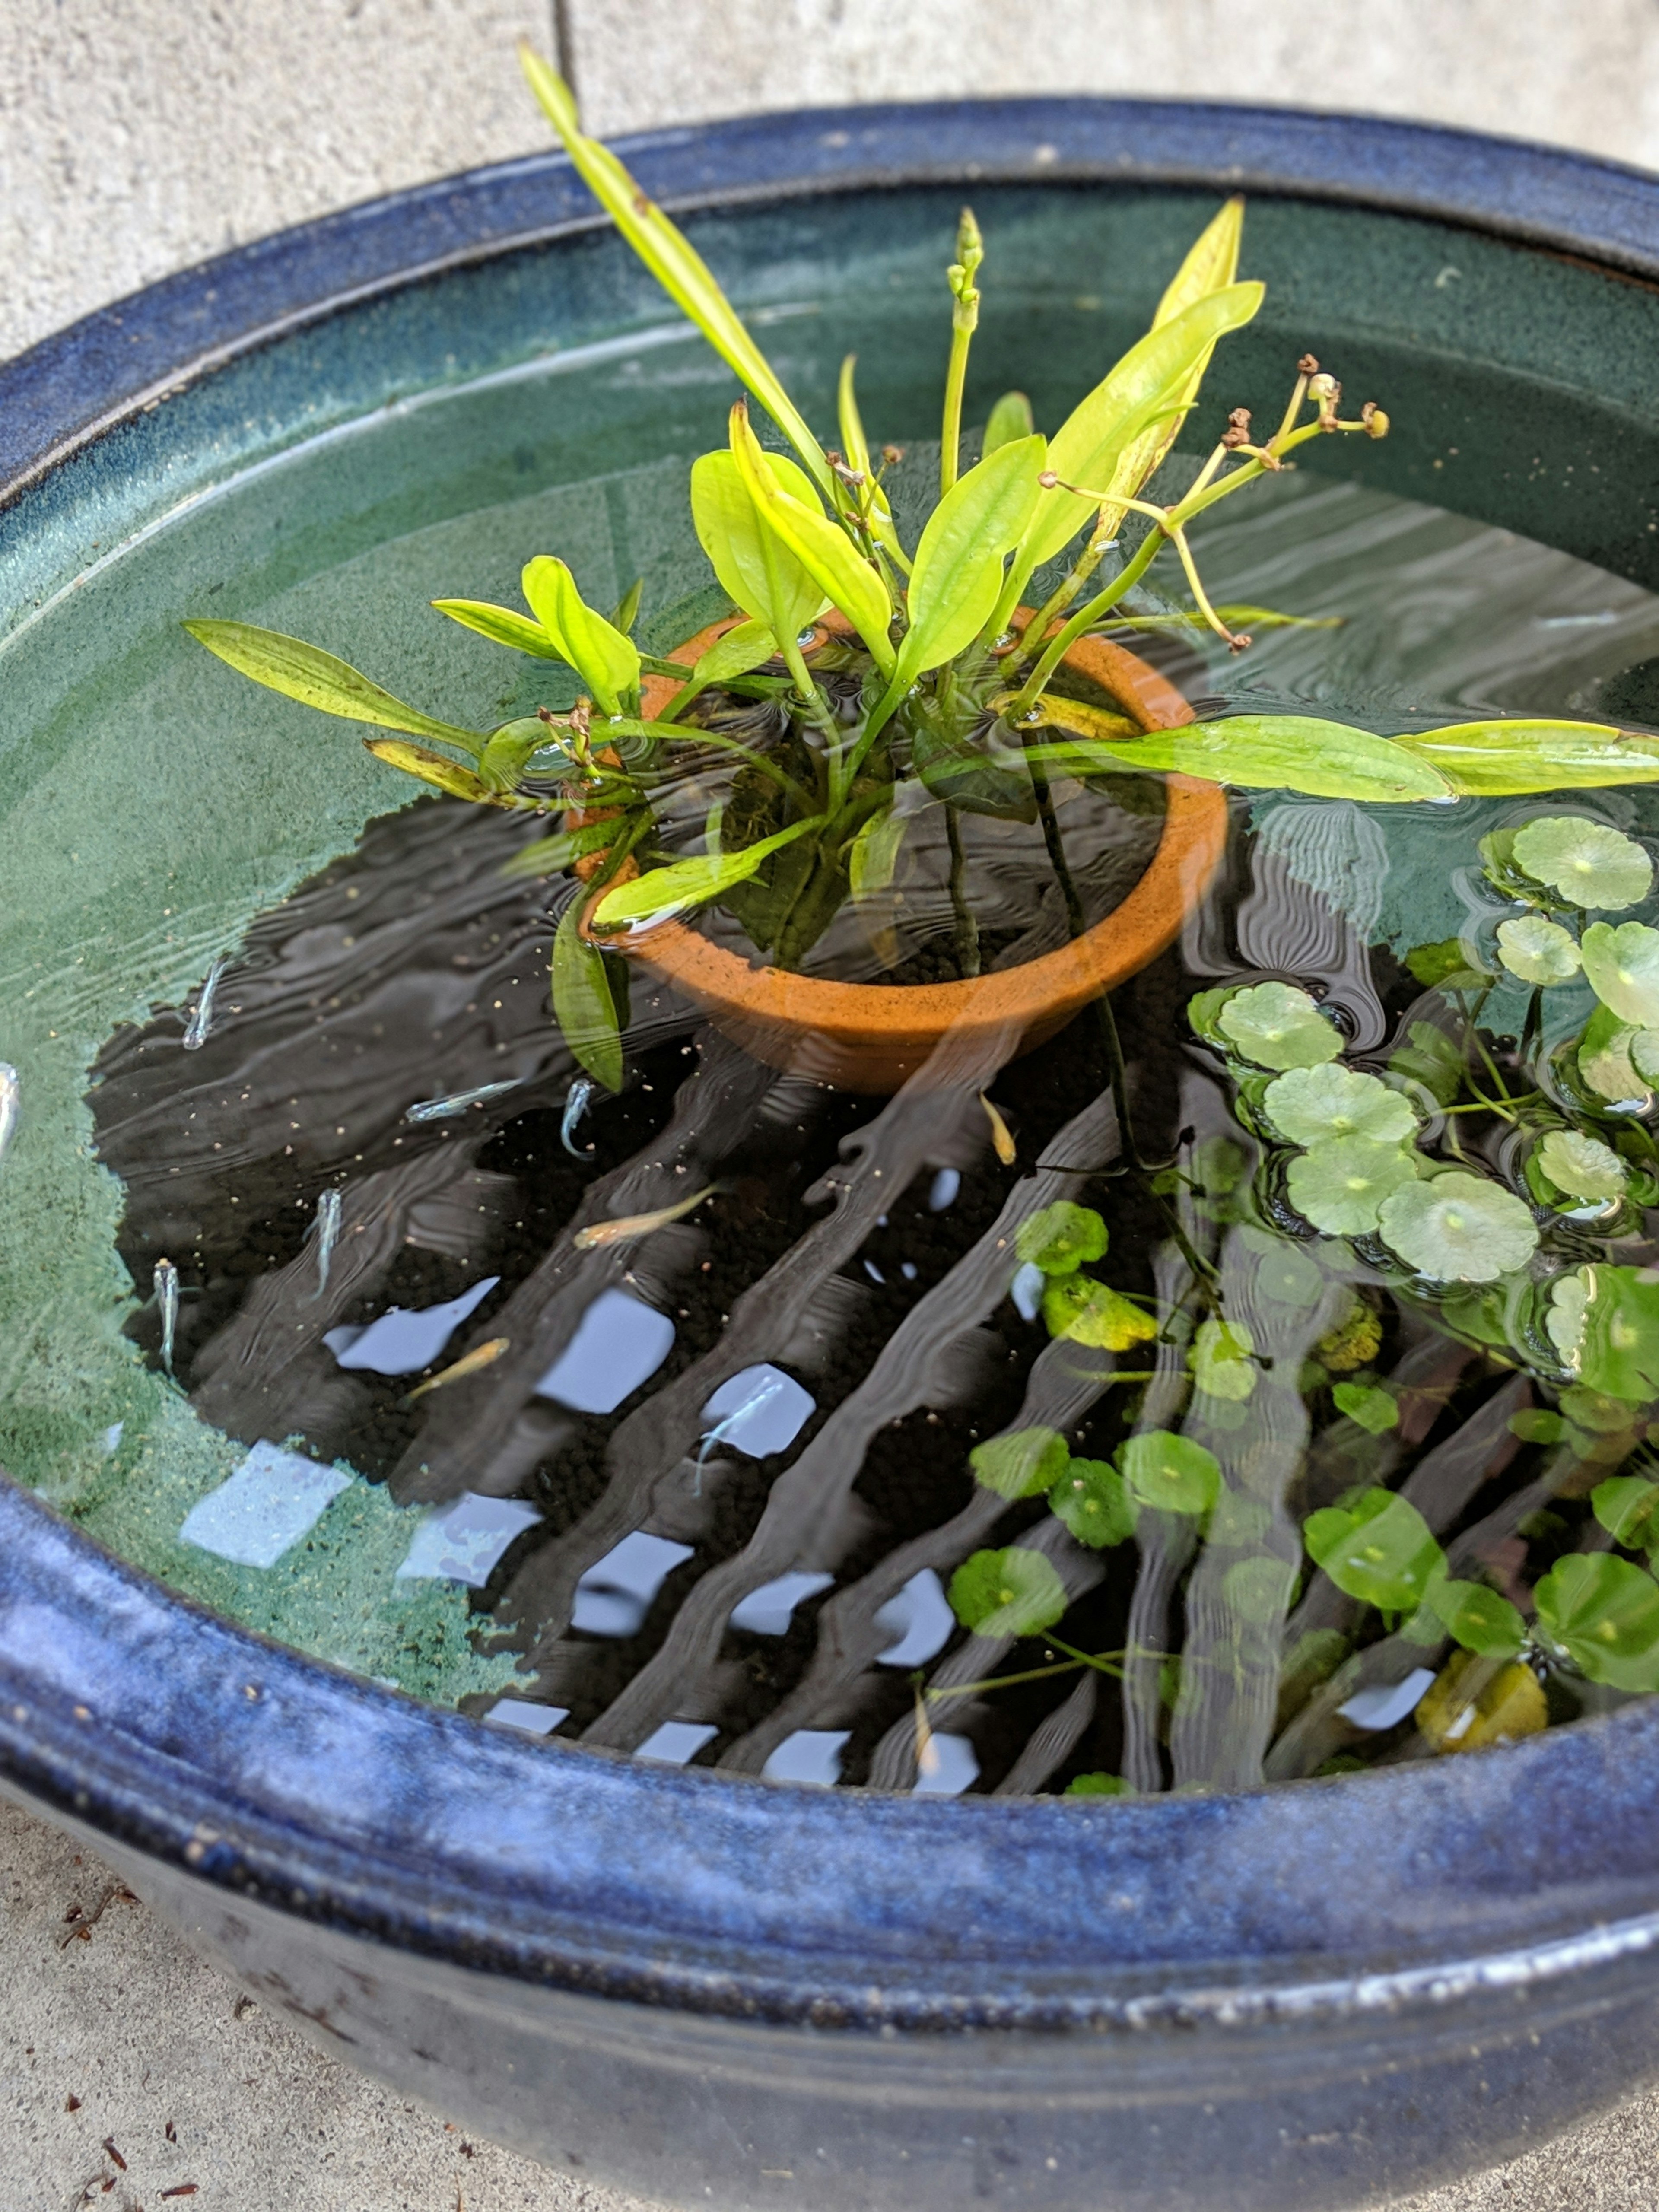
430, 441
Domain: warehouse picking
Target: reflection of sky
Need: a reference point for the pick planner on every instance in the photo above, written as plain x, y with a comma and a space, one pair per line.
275, 1498
461, 1543
760, 1410
1385, 1705
402, 1341
615, 1595
951, 1766
620, 1342
676, 1741
921, 1619
809, 1756
767, 1610
532, 1720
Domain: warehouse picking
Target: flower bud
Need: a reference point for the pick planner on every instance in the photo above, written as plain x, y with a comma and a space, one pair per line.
1307, 366
1324, 390
1375, 421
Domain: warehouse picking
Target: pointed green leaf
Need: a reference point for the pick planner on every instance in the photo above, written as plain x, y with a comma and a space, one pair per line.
670, 891
607, 662
821, 547
501, 626
856, 449
1491, 760
317, 679
584, 1004
1009, 419
874, 854
436, 769
757, 571
749, 645
1285, 752
670, 257
958, 576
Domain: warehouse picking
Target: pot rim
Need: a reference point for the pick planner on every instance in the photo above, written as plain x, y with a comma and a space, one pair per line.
154, 1724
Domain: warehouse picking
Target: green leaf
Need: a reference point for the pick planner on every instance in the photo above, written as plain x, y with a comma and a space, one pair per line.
1490, 760
1537, 950
1221, 1362
1436, 964
1310, 1105
1582, 1166
1459, 1228
1622, 966
1021, 1464
1061, 1239
1097, 1785
1340, 1185
1011, 1592
1618, 1343
1477, 1618
1260, 1590
756, 572
672, 260
584, 1004
1430, 1057
501, 626
436, 769
1606, 1060
1011, 418
1278, 1026
958, 576
1603, 1612
1379, 1549
550, 856
1589, 864
747, 645
1285, 752
1087, 1312
1147, 390
874, 852
1376, 1410
821, 547
977, 775
607, 662
1090, 1498
670, 890
317, 679
1625, 1504
1169, 1472
856, 449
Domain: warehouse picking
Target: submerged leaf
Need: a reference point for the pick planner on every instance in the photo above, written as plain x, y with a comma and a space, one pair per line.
1010, 1593
1590, 865
1373, 1409
1477, 1618
1463, 1711
1430, 1057
1062, 1238
1170, 1473
670, 891
1286, 752
1603, 1612
1087, 1312
1622, 966
874, 852
1221, 1362
1537, 950
1278, 1026
1091, 1499
1582, 1166
1459, 1228
1309, 1105
1379, 1549
1340, 1185
585, 1004
1021, 1464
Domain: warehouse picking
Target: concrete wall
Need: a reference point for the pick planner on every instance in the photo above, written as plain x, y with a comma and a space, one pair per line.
136, 136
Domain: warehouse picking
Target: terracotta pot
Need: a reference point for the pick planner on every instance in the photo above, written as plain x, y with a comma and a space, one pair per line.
871, 1037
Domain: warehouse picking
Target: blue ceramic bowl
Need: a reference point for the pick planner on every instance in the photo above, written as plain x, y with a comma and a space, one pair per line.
710, 1990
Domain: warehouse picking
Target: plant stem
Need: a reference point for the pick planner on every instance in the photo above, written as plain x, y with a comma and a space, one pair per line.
1086, 616
955, 376
967, 929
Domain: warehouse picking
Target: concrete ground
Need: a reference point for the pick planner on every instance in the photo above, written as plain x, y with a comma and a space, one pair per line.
121, 2041
139, 135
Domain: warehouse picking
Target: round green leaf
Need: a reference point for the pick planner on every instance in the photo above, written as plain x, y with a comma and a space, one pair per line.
1221, 1361
1588, 864
1625, 1504
1459, 1228
1089, 1313
1062, 1238
1477, 1618
1310, 1105
1618, 1345
1339, 1186
1537, 950
1379, 1549
1260, 1590
1376, 1410
1278, 1026
1603, 1612
1622, 965
1011, 1592
1023, 1464
1286, 1274
1171, 1471
1607, 1059
1582, 1166
1098, 1785
1091, 1500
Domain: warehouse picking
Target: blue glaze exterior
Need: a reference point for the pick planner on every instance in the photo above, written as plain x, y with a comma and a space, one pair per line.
716, 1992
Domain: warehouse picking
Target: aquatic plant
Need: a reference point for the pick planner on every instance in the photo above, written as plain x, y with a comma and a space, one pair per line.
863, 667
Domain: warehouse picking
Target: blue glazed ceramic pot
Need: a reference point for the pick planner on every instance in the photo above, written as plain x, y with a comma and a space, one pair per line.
714, 1990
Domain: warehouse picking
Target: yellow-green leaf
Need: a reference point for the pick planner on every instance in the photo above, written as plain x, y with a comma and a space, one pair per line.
607, 662
1009, 419
672, 259
1283, 752
584, 1003
501, 626
317, 679
757, 571
958, 576
691, 883
1494, 760
856, 448
435, 768
741, 648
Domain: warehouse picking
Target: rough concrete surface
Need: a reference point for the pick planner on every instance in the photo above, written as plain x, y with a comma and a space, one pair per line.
128, 2021
136, 136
